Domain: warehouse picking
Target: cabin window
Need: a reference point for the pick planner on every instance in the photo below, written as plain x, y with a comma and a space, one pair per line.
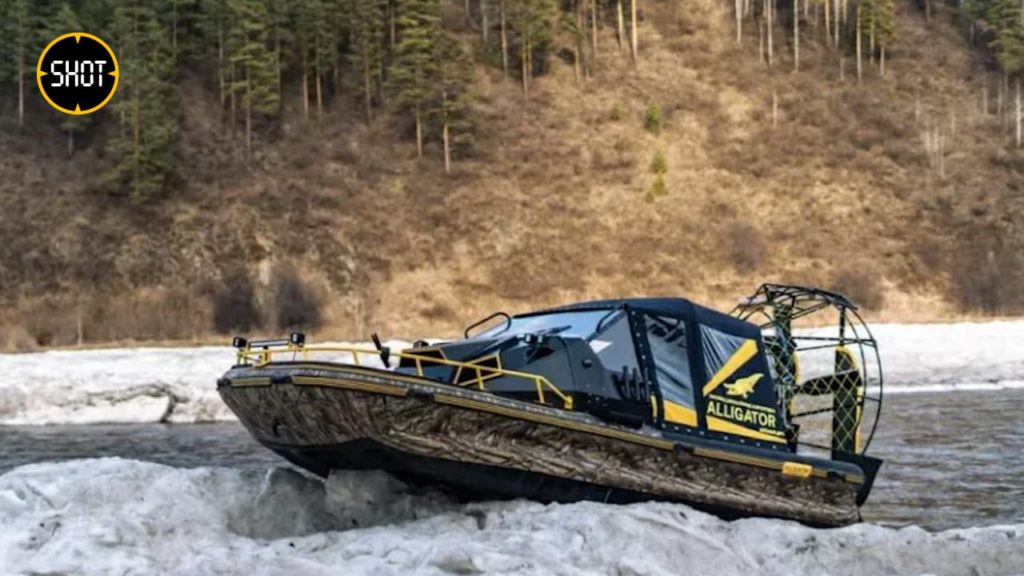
574, 324
667, 338
718, 347
614, 343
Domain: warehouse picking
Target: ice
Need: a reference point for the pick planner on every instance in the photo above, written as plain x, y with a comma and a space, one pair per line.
178, 384
113, 516
123, 385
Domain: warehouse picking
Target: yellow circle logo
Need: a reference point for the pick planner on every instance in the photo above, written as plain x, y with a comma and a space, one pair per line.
77, 73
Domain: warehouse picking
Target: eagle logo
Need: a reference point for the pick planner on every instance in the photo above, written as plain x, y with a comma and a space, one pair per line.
743, 387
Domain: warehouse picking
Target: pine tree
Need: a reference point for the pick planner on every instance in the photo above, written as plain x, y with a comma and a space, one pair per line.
214, 22
254, 61
21, 34
454, 102
366, 36
412, 72
884, 23
532, 23
66, 20
145, 147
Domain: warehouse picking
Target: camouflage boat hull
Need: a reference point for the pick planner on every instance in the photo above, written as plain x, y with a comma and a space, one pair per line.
326, 416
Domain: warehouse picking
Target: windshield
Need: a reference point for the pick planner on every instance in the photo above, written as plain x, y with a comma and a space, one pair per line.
575, 324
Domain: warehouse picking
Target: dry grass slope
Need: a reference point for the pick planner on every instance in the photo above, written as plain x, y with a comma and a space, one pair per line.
553, 206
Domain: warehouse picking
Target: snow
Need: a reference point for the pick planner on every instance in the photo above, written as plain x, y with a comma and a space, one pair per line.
120, 386
114, 516
179, 384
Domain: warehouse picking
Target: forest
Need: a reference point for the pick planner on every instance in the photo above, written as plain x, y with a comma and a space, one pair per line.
442, 80
402, 60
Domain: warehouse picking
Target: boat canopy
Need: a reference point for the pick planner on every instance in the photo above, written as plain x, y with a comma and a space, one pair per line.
708, 370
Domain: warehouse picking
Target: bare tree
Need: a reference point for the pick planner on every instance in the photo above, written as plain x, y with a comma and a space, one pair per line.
796, 35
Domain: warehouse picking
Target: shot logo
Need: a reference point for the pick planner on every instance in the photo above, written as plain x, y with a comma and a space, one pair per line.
77, 73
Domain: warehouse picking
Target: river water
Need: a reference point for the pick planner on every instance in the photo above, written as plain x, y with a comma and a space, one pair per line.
952, 459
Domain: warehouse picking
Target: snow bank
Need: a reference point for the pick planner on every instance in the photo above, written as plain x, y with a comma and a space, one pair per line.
115, 516
178, 384
126, 385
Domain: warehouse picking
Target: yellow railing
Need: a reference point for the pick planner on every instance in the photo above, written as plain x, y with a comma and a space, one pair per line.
265, 355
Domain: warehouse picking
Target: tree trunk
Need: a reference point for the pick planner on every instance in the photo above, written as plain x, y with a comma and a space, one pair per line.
368, 91
576, 59
319, 76
305, 88
928, 10
392, 27
174, 24
485, 24
504, 37
881, 61
739, 21
858, 45
836, 21
796, 35
232, 96
447, 153
769, 5
21, 92
828, 24
760, 41
1018, 111
620, 24
525, 61
248, 131
220, 64
633, 45
871, 41
248, 115
593, 26
775, 108
319, 94
419, 133
277, 63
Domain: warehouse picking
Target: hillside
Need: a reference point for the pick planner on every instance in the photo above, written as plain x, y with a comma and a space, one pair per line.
337, 215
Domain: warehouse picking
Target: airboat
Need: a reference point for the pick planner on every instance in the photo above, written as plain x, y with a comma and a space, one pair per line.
766, 411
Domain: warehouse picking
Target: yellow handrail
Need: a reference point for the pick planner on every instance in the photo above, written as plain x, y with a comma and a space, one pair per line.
262, 356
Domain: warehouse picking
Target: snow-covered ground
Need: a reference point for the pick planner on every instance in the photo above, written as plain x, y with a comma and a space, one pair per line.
178, 384
115, 516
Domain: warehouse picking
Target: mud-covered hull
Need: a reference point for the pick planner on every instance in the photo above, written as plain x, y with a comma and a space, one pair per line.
324, 417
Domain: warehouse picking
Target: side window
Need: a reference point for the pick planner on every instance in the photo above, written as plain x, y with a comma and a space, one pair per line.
614, 344
667, 338
718, 348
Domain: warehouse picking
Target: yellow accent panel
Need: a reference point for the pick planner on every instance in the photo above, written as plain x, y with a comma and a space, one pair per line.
797, 469
740, 357
720, 425
679, 414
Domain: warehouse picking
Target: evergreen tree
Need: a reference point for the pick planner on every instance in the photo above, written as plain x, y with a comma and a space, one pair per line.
66, 20
254, 61
366, 37
145, 147
532, 23
453, 97
213, 25
412, 72
21, 42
